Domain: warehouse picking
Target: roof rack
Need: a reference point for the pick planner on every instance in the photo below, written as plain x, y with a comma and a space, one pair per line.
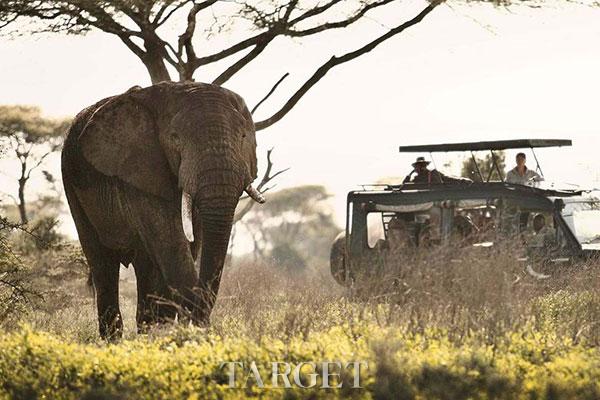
491, 145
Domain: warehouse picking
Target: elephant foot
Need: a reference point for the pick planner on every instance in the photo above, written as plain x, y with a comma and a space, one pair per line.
156, 311
201, 318
111, 329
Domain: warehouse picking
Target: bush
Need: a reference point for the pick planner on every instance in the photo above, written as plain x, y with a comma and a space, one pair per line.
15, 288
186, 363
444, 327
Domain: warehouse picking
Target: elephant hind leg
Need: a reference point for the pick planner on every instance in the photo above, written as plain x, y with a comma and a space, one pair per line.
105, 275
104, 264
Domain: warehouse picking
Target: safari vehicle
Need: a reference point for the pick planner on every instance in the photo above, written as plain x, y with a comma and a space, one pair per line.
478, 214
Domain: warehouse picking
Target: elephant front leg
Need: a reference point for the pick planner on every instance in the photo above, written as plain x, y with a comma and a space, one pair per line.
158, 225
153, 295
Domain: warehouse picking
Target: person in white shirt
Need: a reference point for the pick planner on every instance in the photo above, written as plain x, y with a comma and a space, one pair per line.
521, 174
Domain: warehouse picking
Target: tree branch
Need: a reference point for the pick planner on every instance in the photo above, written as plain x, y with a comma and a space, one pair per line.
157, 19
267, 177
242, 62
236, 48
270, 92
185, 41
37, 164
315, 11
135, 49
334, 61
339, 24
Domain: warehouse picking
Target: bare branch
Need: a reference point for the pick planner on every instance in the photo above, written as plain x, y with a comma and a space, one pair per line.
37, 164
289, 9
315, 11
8, 20
275, 27
185, 39
267, 177
334, 61
175, 62
242, 62
135, 49
339, 24
236, 48
102, 19
270, 92
158, 18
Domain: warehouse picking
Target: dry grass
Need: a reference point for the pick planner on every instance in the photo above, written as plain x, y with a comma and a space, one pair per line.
441, 325
475, 292
472, 292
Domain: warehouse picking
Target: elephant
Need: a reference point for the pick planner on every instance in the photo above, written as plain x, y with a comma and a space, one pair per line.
152, 178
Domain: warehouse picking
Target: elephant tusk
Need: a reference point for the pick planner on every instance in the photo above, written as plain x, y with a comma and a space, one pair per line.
255, 194
186, 216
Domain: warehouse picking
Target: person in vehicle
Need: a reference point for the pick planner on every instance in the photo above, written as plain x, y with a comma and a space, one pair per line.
544, 235
425, 175
398, 240
399, 237
521, 174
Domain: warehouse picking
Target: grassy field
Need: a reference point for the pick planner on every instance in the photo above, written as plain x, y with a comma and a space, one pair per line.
477, 327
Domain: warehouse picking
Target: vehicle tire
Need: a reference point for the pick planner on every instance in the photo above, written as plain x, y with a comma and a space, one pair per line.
337, 259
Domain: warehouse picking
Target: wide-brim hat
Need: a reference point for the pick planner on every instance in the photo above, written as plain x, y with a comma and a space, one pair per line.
421, 160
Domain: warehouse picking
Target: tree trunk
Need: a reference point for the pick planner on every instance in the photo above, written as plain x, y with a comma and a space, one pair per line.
186, 73
22, 208
155, 63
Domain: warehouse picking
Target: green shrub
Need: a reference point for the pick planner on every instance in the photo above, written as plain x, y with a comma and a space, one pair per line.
15, 288
185, 363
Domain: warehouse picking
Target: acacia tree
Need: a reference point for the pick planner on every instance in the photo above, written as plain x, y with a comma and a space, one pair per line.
295, 227
139, 25
31, 138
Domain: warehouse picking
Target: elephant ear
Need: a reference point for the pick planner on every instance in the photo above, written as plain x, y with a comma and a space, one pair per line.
120, 140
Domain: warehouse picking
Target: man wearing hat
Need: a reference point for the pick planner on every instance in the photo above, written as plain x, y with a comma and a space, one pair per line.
425, 175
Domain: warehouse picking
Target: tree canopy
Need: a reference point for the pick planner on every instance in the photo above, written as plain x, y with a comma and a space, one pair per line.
31, 138
171, 37
141, 26
29, 122
295, 228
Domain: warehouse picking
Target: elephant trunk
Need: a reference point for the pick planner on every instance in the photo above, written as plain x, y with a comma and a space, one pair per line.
187, 209
214, 183
216, 218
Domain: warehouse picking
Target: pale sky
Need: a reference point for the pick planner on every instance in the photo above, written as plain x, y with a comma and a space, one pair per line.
465, 73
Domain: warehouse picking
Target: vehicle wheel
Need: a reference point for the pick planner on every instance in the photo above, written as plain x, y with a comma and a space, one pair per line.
337, 259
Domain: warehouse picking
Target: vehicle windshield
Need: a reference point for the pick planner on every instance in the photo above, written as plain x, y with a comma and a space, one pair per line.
583, 217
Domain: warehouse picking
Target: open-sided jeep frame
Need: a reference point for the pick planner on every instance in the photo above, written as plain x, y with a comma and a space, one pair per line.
508, 208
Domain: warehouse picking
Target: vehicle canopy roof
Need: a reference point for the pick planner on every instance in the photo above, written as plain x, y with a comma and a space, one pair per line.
489, 145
